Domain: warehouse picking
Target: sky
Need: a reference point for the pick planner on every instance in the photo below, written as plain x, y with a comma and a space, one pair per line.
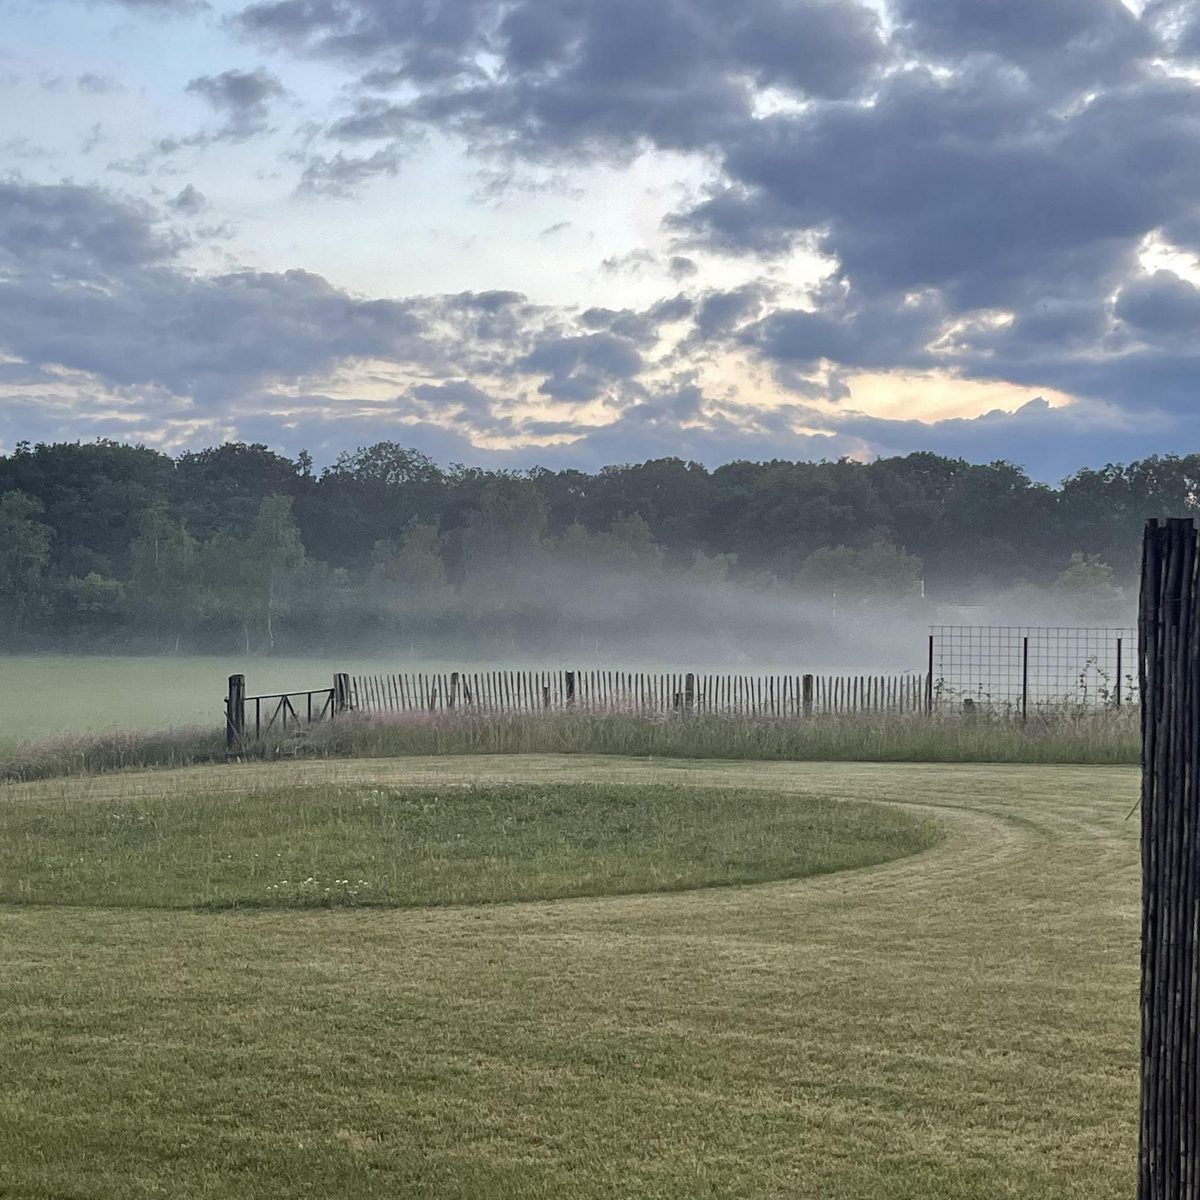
582, 232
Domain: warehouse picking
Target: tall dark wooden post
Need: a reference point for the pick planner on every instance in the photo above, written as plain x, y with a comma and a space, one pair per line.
807, 684
341, 693
235, 713
1169, 669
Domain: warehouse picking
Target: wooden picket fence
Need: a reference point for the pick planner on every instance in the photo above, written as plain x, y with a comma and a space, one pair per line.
638, 691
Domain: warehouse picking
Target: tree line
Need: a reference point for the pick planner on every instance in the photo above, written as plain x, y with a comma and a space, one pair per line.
110, 545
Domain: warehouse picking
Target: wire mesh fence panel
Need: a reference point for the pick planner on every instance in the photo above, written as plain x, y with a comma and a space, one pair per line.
1019, 668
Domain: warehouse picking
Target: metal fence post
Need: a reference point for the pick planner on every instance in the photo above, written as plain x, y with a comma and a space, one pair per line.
1025, 679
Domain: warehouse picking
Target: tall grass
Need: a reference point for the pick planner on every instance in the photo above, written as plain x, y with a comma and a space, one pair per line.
1067, 736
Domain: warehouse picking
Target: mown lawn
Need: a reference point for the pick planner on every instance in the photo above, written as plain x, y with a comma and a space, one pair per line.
957, 1023
329, 844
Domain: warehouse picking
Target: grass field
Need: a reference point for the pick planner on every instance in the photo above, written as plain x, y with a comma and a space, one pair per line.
345, 845
958, 1023
45, 694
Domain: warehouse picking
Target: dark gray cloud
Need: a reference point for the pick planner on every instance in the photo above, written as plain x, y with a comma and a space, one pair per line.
967, 184
576, 79
74, 235
580, 368
1060, 42
242, 98
1161, 308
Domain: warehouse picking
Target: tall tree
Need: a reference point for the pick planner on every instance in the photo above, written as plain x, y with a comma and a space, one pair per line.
274, 546
163, 583
24, 553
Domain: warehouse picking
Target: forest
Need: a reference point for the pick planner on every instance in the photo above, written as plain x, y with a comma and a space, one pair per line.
105, 545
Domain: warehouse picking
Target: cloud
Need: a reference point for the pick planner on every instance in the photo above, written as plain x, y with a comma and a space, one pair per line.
979, 178
1059, 42
578, 369
190, 201
342, 174
572, 80
1161, 308
98, 85
62, 234
242, 98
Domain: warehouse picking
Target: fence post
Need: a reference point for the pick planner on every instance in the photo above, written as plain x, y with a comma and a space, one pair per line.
235, 713
453, 688
1120, 665
808, 695
1025, 679
1168, 649
929, 680
341, 693
689, 695
570, 689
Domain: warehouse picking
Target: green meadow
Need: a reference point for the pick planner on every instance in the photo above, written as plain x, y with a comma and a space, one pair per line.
570, 976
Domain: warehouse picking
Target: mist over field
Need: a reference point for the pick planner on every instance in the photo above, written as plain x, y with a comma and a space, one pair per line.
386, 556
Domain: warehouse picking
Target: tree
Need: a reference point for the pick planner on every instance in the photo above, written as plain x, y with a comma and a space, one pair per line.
98, 603
1088, 585
163, 581
24, 552
225, 486
409, 575
274, 546
878, 572
93, 496
504, 533
243, 575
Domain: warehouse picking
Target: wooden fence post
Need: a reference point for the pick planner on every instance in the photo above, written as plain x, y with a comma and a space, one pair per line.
1169, 670
570, 689
689, 695
453, 688
929, 680
235, 713
808, 695
341, 694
